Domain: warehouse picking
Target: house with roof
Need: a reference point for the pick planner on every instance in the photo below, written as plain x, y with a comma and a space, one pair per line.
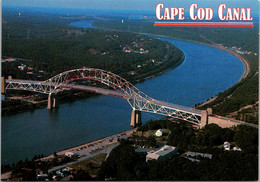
237, 149
226, 145
166, 151
159, 133
196, 154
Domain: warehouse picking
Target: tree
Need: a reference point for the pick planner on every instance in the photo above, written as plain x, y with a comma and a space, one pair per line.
181, 136
81, 175
212, 135
247, 139
151, 141
120, 163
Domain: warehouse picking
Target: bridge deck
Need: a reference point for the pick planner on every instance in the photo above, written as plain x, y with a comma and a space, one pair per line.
23, 81
112, 93
117, 94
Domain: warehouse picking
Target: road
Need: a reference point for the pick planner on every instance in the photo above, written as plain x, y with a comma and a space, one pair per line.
117, 94
85, 151
106, 150
114, 93
237, 121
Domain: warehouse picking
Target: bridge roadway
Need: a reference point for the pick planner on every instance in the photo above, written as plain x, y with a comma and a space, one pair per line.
161, 103
112, 93
236, 121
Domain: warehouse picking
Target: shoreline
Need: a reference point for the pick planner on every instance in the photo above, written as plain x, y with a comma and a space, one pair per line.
167, 70
87, 146
244, 61
94, 142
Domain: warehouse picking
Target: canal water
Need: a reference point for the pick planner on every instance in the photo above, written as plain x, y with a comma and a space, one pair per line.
205, 72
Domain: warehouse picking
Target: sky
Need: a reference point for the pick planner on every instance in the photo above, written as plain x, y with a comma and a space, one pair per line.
129, 4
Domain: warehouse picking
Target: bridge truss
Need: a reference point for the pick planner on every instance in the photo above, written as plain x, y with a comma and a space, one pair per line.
136, 98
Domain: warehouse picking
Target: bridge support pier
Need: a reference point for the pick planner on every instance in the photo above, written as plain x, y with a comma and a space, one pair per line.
204, 117
49, 105
55, 101
52, 101
135, 118
2, 85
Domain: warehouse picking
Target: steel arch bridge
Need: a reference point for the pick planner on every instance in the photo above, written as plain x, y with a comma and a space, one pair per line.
138, 100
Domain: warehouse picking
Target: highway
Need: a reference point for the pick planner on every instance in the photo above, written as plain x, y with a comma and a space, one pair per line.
23, 81
93, 89
117, 94
237, 121
112, 93
136, 97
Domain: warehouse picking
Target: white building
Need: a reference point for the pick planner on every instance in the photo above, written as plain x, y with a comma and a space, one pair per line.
166, 151
159, 133
226, 145
237, 149
195, 154
70, 154
21, 67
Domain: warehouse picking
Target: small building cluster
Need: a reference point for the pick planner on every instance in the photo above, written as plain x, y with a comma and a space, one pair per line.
237, 149
136, 47
166, 151
196, 154
126, 49
240, 51
193, 156
227, 147
22, 67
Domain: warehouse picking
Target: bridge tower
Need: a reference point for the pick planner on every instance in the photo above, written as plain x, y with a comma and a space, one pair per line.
135, 118
52, 101
2, 85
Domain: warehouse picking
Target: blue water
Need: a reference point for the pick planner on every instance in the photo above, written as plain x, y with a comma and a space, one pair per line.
205, 72
83, 24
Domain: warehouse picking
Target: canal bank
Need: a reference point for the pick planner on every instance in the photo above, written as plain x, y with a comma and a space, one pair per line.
94, 146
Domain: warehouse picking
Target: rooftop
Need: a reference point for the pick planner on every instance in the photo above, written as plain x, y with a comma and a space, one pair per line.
161, 152
193, 154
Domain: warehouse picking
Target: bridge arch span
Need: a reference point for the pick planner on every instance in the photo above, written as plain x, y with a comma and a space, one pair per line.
125, 88
137, 99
